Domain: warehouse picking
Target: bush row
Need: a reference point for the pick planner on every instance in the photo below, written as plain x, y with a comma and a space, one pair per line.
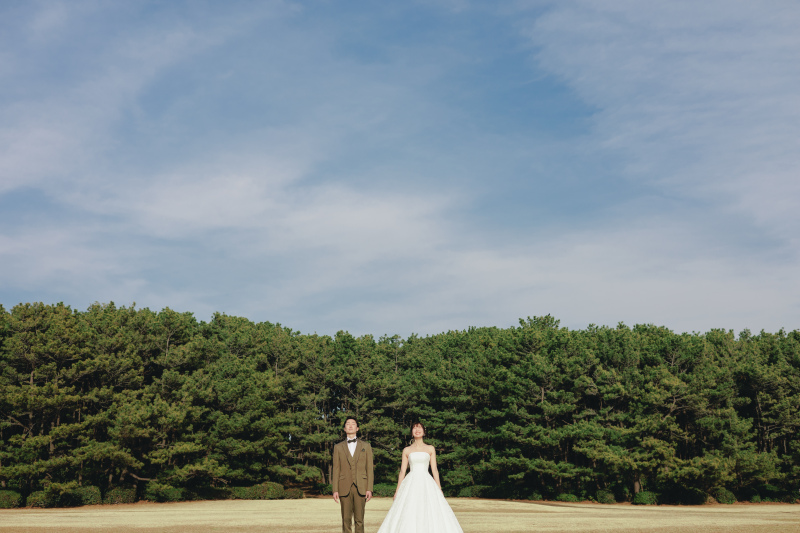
60, 496
677, 495
692, 496
73, 496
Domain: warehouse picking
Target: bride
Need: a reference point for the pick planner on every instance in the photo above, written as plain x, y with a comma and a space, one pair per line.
419, 505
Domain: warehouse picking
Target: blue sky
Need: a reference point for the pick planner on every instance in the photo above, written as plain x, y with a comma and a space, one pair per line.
390, 168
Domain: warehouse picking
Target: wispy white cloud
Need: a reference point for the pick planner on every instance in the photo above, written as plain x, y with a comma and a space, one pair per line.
51, 19
328, 191
60, 133
699, 98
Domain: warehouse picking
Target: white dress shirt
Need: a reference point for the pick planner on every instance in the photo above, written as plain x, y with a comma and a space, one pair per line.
352, 447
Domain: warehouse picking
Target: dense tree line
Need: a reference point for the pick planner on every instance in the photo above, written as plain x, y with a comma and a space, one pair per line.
119, 397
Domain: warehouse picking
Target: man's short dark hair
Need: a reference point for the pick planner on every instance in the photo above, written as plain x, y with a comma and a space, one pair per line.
349, 418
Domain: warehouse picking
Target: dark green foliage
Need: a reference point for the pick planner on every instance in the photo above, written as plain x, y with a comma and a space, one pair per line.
535, 497
474, 491
263, 491
692, 496
645, 498
270, 491
210, 493
38, 498
677, 494
120, 495
605, 496
564, 497
293, 494
244, 493
64, 495
88, 495
325, 489
10, 499
384, 489
112, 397
768, 493
723, 495
162, 492
771, 493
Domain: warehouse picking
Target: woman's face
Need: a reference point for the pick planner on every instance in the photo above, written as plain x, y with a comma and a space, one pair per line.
417, 432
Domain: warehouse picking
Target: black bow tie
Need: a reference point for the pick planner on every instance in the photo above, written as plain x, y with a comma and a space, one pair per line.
350, 441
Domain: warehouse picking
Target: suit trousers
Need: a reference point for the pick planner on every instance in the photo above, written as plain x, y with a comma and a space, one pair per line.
353, 508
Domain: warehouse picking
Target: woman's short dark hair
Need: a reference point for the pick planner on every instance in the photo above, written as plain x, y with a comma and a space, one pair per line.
349, 418
418, 423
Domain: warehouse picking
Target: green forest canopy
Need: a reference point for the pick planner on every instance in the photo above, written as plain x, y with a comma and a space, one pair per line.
118, 396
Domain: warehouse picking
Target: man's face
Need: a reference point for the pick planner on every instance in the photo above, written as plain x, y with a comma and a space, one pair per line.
350, 427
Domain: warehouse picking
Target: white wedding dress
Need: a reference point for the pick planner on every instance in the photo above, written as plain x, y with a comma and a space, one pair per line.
419, 505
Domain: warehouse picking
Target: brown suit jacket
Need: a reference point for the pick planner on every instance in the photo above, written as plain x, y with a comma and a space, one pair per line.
342, 476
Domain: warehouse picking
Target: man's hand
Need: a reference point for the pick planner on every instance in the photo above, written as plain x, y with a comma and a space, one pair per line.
369, 495
336, 497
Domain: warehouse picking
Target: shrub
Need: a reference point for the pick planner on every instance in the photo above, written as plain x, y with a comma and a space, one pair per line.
65, 495
269, 490
605, 496
326, 489
723, 495
161, 492
692, 496
384, 489
223, 493
209, 493
755, 499
770, 493
474, 491
38, 499
293, 494
564, 497
88, 495
243, 493
645, 498
678, 494
535, 496
54, 496
450, 492
265, 491
120, 495
68, 498
10, 499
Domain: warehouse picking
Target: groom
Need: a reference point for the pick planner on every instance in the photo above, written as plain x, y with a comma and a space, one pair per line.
352, 476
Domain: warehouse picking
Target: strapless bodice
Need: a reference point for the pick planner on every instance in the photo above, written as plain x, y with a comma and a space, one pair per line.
419, 461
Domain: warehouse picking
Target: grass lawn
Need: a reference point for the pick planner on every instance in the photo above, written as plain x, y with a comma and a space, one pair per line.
475, 515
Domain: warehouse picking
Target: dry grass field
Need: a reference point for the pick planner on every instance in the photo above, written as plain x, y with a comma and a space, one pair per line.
476, 516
